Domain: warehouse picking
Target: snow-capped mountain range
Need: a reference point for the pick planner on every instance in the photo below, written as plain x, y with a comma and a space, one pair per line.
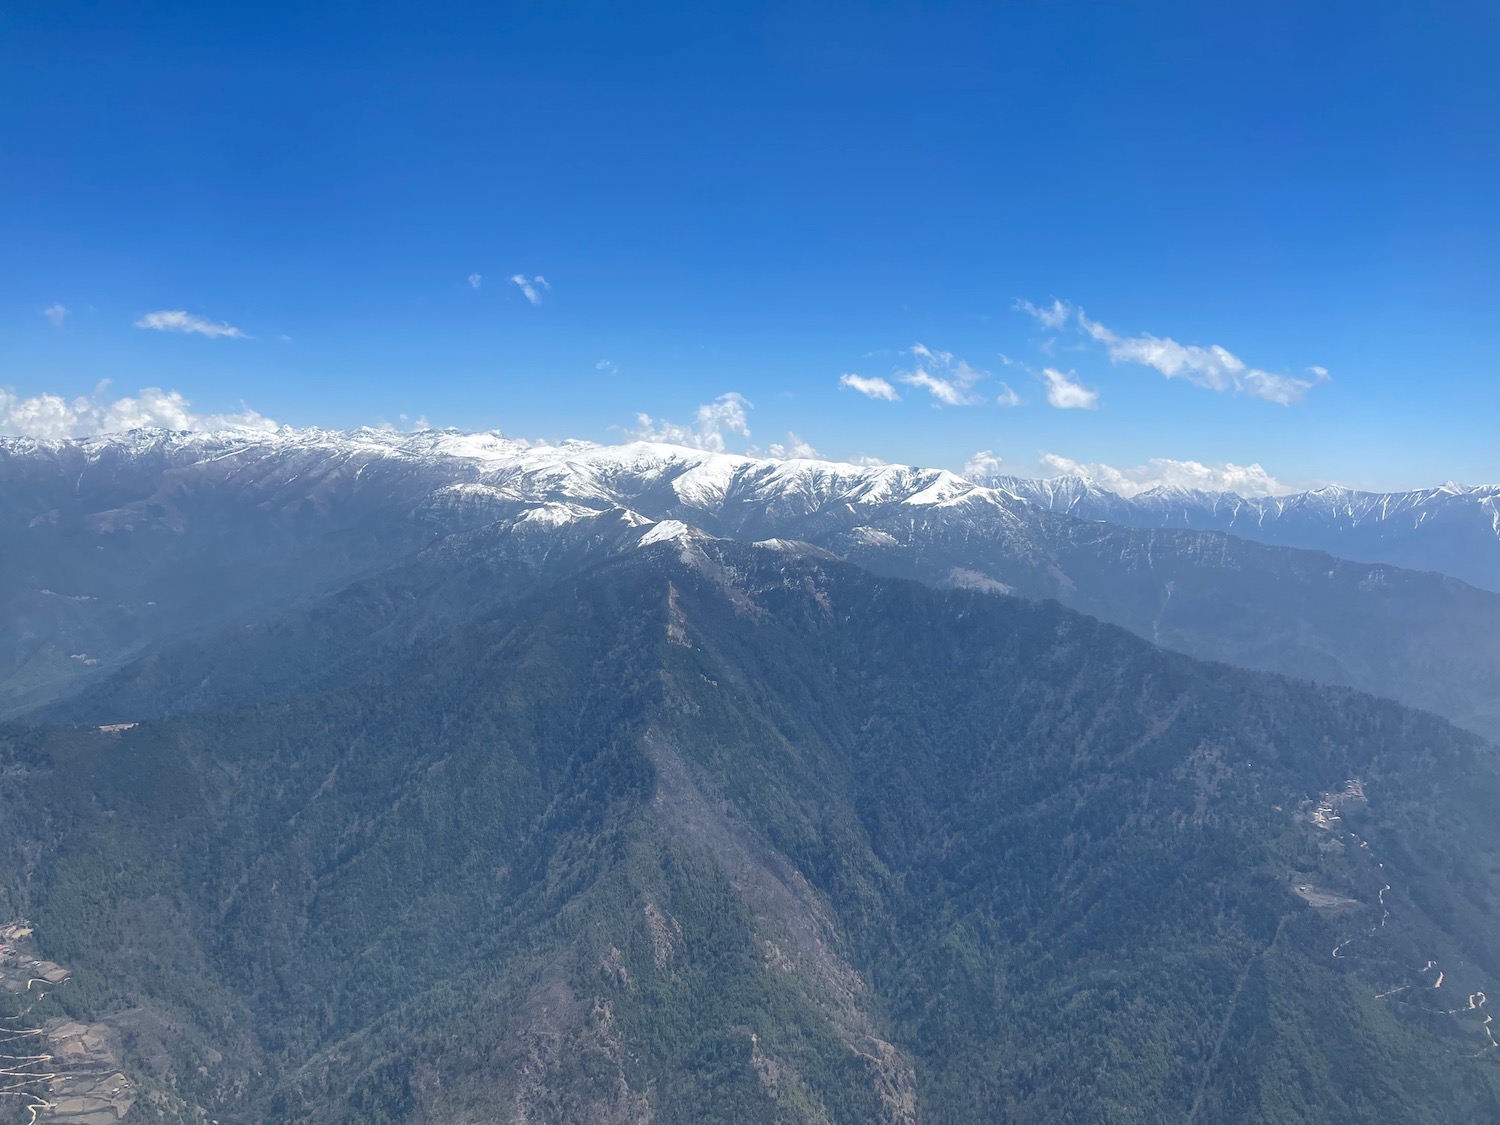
117, 545
490, 465
1453, 529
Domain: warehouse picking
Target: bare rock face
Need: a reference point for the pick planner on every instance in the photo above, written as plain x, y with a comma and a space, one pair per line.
567, 1064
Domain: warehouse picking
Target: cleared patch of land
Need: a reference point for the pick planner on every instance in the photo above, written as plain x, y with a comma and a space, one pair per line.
1323, 900
59, 1069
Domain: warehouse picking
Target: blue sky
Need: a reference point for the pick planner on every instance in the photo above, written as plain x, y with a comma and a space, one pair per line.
755, 200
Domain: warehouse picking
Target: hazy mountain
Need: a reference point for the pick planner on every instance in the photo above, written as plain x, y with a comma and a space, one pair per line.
1453, 529
713, 832
312, 553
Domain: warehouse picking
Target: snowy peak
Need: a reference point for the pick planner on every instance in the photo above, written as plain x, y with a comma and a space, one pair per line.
670, 531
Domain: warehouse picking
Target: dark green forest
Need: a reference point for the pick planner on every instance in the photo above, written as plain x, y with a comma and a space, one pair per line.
718, 833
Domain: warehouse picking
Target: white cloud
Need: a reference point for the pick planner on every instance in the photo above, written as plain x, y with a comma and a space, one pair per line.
1209, 366
872, 387
56, 314
532, 287
866, 461
944, 376
1065, 394
1162, 472
1052, 316
727, 414
54, 417
1007, 397
1213, 367
607, 366
794, 448
983, 465
475, 280
406, 424
176, 320
943, 390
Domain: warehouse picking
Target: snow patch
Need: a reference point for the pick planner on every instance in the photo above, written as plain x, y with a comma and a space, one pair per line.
557, 514
668, 531
873, 537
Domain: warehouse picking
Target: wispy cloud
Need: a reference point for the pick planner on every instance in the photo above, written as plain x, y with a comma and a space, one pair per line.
406, 424
943, 390
1213, 367
475, 280
56, 314
531, 287
1053, 316
983, 466
1162, 472
53, 417
727, 414
943, 375
794, 448
607, 366
176, 320
875, 387
1007, 397
1066, 394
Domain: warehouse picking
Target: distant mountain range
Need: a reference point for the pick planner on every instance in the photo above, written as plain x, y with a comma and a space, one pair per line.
1453, 529
123, 543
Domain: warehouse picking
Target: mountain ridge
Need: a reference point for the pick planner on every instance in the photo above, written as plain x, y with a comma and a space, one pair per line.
118, 547
713, 821
1452, 529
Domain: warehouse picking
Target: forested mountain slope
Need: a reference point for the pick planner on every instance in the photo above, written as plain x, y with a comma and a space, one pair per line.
714, 832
